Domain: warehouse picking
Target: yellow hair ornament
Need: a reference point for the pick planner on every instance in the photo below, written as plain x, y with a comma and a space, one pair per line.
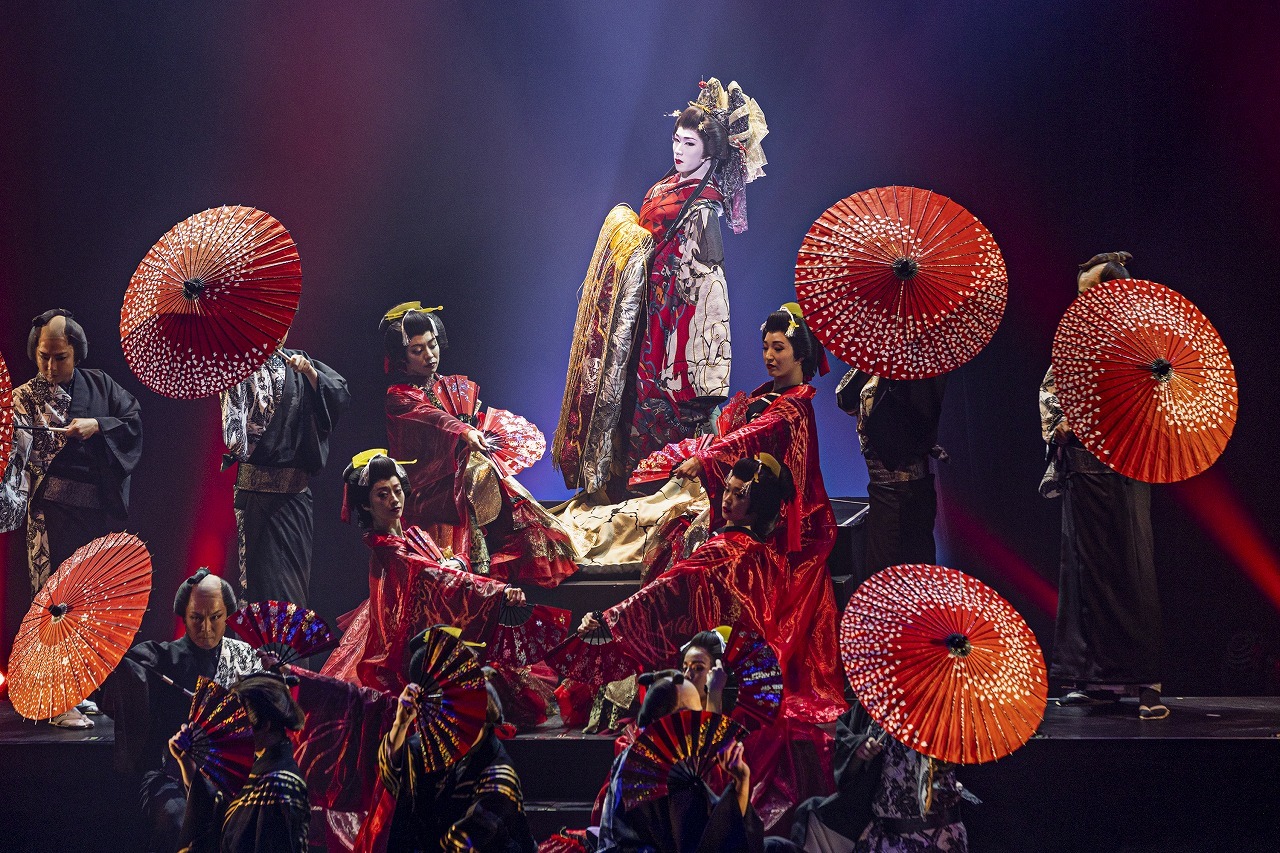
767, 461
724, 631
793, 308
456, 633
398, 312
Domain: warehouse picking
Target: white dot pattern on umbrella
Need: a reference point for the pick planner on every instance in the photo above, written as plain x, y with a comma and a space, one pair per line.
6, 411
901, 282
210, 302
943, 663
1145, 381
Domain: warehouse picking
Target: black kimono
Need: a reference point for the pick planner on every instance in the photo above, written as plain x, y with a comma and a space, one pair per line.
474, 805
69, 492
690, 819
270, 814
147, 711
276, 428
898, 434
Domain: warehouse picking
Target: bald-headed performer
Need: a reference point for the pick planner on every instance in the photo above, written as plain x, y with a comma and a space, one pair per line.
77, 438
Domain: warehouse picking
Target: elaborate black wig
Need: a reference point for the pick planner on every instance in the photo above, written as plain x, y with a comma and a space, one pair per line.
268, 702
805, 346
74, 334
766, 493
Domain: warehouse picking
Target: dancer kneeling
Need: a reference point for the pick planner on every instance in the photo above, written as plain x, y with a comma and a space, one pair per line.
690, 819
271, 813
411, 584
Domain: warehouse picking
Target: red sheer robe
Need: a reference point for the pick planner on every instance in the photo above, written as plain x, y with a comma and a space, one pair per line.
803, 616
420, 431
408, 592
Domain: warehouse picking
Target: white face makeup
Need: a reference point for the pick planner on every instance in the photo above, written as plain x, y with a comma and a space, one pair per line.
422, 355
735, 503
688, 150
386, 503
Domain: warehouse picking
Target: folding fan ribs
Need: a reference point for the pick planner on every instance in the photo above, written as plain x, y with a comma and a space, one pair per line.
1145, 381
458, 396
594, 658
210, 302
658, 465
286, 630
525, 635
453, 702
901, 282
943, 663
754, 666
514, 443
675, 751
220, 739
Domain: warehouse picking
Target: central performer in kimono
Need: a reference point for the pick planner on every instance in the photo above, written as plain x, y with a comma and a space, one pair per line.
650, 356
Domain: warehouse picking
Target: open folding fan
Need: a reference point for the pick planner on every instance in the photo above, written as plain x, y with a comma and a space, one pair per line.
943, 663
422, 543
1144, 380
593, 658
673, 752
526, 633
79, 626
220, 739
754, 667
514, 443
286, 630
901, 282
453, 702
659, 464
210, 302
458, 396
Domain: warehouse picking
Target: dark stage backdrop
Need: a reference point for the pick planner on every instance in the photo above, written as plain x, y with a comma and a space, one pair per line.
465, 154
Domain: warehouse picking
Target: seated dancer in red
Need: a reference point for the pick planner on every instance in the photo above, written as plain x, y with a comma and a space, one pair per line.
489, 521
409, 586
777, 419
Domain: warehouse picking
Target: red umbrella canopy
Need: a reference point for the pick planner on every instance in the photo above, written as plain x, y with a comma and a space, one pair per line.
80, 625
1145, 381
901, 282
943, 663
210, 302
6, 412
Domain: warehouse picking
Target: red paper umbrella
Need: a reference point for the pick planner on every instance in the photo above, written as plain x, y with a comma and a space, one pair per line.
6, 412
674, 752
526, 634
659, 464
220, 739
458, 396
754, 666
283, 628
1144, 380
593, 658
944, 664
80, 625
453, 702
901, 282
210, 302
514, 443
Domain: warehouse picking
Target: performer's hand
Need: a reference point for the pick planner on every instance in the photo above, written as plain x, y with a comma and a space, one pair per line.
717, 678
515, 596
407, 705
1062, 433
870, 748
301, 364
731, 760
689, 469
474, 439
589, 623
82, 428
270, 660
176, 748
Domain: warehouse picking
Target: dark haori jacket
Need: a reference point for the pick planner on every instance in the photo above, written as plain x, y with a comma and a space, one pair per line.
902, 425
690, 819
476, 804
270, 814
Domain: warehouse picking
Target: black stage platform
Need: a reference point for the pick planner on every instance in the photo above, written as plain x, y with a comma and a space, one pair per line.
1094, 779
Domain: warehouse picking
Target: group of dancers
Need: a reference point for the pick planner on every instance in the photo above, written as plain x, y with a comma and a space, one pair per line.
739, 537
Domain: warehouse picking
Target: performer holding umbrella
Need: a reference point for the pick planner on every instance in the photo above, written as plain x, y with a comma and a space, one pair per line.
1141, 390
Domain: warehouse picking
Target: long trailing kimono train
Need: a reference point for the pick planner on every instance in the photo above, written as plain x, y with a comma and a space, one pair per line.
454, 493
408, 591
276, 428
69, 492
1108, 631
270, 814
651, 348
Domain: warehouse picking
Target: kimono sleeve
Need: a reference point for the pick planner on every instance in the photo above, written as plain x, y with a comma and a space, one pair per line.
121, 428
495, 816
202, 821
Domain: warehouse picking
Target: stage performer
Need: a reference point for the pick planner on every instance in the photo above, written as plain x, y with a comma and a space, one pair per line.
456, 494
271, 813
408, 587
889, 799
276, 426
149, 697
689, 820
77, 438
701, 662
1108, 636
898, 435
650, 356
474, 804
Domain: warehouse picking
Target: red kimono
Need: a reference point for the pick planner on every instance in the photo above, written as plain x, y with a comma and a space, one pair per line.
419, 430
408, 592
803, 609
